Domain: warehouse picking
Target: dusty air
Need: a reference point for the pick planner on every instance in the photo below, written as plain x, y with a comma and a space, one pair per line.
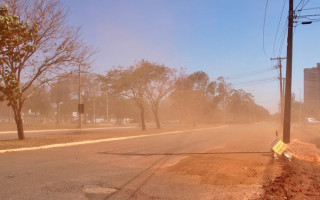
141, 100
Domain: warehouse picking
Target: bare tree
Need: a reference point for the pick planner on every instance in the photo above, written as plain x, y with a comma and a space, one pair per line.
36, 46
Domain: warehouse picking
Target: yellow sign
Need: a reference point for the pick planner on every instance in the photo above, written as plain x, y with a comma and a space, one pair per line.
279, 147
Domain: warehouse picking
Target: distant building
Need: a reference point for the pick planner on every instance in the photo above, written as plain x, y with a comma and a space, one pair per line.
312, 90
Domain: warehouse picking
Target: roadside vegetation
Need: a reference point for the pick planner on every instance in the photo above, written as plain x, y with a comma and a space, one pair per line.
41, 59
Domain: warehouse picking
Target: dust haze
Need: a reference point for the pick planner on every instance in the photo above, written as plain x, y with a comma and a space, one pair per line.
146, 129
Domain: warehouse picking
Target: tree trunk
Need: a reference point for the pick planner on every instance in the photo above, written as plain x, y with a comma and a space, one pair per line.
19, 122
156, 116
143, 125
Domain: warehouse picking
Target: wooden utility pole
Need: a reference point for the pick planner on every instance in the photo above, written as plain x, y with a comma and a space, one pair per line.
281, 87
287, 103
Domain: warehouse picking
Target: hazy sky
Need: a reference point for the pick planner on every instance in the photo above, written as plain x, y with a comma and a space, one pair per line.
219, 37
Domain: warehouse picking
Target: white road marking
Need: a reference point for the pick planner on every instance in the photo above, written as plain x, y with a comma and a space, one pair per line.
99, 141
60, 130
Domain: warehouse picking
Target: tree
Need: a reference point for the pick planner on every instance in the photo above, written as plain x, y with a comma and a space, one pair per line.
198, 99
36, 46
193, 96
161, 84
242, 108
240, 104
130, 82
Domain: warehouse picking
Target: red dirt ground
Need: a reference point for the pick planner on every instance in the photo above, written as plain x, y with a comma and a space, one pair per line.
300, 178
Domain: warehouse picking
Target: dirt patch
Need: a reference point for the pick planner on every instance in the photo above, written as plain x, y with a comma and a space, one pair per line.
225, 169
230, 176
304, 151
299, 180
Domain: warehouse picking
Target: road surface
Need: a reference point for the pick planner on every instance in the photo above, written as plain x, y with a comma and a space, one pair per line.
226, 162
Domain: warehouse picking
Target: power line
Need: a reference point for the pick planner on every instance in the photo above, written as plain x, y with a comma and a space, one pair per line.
275, 39
246, 74
306, 16
264, 24
282, 38
299, 4
304, 5
253, 84
315, 8
256, 81
298, 13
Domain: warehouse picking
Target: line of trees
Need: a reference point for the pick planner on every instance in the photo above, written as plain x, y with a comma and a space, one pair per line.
191, 98
144, 83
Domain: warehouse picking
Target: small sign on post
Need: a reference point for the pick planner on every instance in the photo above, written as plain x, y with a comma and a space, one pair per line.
278, 146
80, 108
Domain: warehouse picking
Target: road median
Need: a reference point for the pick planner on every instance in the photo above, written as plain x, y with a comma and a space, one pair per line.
81, 139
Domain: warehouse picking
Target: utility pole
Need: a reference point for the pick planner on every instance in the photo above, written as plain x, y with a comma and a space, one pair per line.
287, 103
281, 87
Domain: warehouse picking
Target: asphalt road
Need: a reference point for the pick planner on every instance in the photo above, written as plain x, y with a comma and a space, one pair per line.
141, 168
9, 135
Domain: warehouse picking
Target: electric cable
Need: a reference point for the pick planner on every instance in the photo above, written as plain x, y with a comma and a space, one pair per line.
275, 39
253, 84
255, 81
315, 8
264, 24
246, 74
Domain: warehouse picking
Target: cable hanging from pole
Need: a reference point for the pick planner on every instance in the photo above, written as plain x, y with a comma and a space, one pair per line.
246, 74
